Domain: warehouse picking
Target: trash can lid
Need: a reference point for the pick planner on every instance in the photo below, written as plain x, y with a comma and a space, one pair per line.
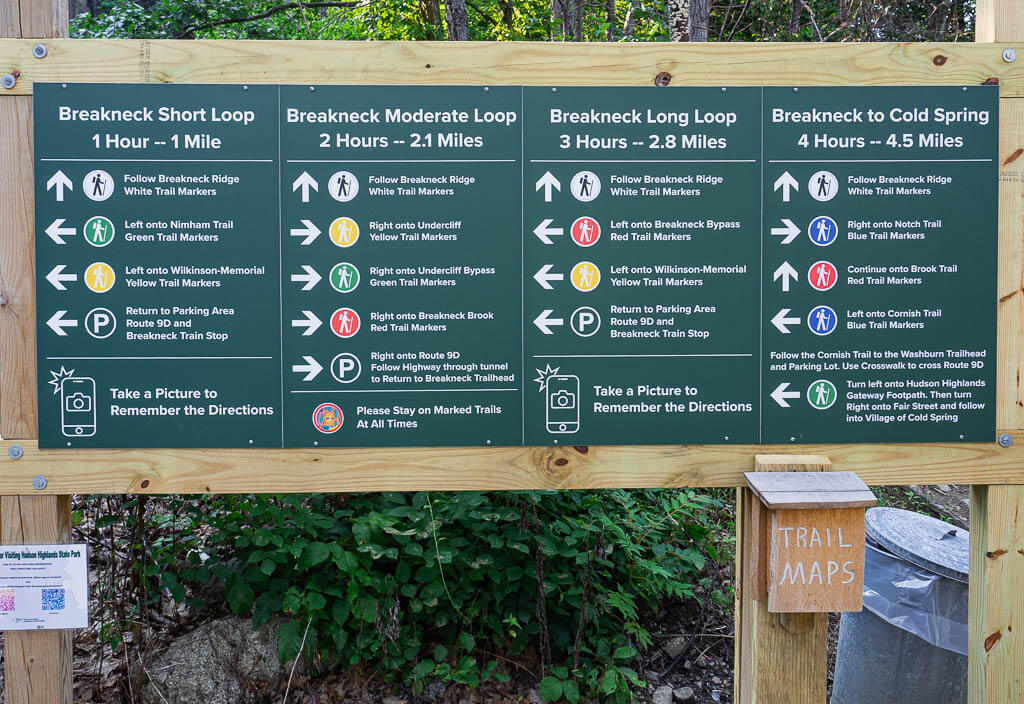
925, 541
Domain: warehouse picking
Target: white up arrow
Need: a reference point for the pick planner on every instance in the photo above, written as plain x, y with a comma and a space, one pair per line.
780, 321
56, 278
57, 233
310, 277
542, 277
786, 182
547, 182
311, 368
779, 395
58, 322
785, 272
305, 182
60, 182
788, 233
543, 322
308, 230
311, 323
545, 232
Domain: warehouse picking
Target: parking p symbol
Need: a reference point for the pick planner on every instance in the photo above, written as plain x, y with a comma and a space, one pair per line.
345, 368
585, 321
100, 323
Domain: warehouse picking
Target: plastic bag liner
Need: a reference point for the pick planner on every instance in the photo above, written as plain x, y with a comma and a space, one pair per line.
917, 600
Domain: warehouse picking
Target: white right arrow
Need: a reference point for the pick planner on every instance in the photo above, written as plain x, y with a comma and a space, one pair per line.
545, 232
779, 395
310, 277
311, 368
543, 276
57, 233
58, 322
785, 272
543, 322
60, 181
786, 182
305, 182
547, 182
311, 323
56, 278
780, 321
789, 232
308, 230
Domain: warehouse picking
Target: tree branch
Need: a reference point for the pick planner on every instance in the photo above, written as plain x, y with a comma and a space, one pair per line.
299, 5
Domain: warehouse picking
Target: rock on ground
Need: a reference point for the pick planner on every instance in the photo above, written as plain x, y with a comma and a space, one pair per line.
685, 695
662, 695
221, 662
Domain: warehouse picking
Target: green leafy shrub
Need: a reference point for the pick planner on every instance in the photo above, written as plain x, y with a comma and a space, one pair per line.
436, 585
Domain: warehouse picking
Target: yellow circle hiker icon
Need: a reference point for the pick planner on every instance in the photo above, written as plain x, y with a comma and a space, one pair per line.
344, 232
585, 276
99, 277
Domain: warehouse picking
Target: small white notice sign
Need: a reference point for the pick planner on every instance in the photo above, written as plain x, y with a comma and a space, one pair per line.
43, 586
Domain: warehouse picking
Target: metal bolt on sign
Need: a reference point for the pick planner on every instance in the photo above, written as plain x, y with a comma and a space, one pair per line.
8, 80
39, 51
1009, 55
1005, 440
39, 482
15, 452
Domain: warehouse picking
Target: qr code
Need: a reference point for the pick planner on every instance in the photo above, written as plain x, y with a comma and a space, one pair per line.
6, 600
53, 600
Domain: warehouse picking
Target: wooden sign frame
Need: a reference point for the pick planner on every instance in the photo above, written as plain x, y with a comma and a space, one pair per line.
778, 658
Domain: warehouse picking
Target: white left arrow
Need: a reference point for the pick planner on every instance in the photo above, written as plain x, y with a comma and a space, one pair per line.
310, 277
311, 368
305, 182
780, 321
58, 322
60, 182
785, 272
788, 233
780, 395
544, 322
311, 323
547, 182
545, 232
56, 278
543, 276
57, 233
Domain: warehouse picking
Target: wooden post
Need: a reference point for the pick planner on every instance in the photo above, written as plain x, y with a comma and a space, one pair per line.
996, 647
37, 663
780, 658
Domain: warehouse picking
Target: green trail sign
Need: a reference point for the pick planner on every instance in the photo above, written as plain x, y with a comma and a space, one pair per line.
303, 266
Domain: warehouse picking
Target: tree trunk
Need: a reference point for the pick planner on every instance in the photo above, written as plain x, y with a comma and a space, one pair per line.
630, 22
508, 14
700, 13
563, 17
458, 20
679, 20
609, 17
794, 17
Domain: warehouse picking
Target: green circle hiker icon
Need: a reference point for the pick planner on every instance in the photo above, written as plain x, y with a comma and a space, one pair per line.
344, 277
821, 394
98, 231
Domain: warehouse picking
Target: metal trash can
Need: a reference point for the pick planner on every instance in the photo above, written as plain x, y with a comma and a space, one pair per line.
909, 644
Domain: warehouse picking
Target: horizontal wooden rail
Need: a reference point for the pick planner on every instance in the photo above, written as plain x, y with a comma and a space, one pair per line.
482, 468
516, 63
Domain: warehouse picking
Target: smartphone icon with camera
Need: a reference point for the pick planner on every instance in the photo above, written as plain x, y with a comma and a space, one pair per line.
78, 407
562, 403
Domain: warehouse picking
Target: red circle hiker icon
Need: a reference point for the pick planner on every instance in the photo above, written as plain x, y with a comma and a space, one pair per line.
822, 275
585, 231
345, 322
